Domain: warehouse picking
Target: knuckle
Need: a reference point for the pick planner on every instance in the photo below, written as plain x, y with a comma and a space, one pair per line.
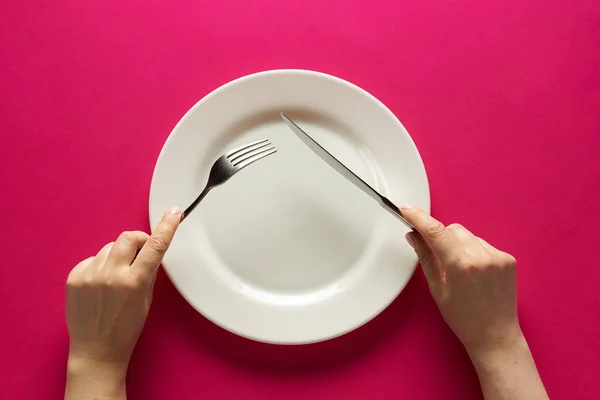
508, 261
88, 281
455, 227
139, 234
414, 213
466, 264
158, 243
136, 282
463, 261
74, 280
501, 260
434, 228
168, 224
510, 258
112, 282
125, 236
418, 214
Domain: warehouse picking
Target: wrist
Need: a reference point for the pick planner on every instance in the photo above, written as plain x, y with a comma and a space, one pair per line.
508, 370
88, 378
499, 354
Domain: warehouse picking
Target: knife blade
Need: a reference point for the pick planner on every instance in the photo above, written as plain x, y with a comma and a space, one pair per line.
343, 170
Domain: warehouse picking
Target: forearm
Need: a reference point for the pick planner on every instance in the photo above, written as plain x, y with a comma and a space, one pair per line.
508, 372
94, 381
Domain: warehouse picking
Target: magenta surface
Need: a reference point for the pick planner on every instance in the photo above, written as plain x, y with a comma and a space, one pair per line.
501, 98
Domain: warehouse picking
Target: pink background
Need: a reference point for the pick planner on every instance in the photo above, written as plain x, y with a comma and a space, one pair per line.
502, 100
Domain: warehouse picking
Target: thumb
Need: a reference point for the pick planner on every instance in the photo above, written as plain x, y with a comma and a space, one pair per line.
426, 257
151, 254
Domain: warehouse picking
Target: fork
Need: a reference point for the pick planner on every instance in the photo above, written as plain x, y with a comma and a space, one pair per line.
229, 164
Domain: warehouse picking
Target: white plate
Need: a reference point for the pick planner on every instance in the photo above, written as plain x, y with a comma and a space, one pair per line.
288, 251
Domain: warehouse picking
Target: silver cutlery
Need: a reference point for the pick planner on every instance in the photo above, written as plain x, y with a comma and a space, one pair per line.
344, 171
231, 163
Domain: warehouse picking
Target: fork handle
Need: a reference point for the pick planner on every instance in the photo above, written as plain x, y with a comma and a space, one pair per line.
195, 203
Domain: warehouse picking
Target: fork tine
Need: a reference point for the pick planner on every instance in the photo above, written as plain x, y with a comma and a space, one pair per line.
250, 149
237, 149
255, 158
251, 154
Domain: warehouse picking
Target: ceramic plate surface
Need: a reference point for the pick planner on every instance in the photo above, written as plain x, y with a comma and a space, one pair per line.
287, 251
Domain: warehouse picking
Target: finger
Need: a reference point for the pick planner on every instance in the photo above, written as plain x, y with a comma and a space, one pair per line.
126, 247
83, 264
100, 259
152, 252
432, 230
79, 268
102, 255
426, 258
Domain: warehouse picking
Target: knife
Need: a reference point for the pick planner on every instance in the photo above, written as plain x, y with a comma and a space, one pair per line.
344, 171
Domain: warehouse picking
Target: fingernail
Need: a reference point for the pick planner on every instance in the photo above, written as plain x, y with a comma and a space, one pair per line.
406, 207
175, 211
410, 240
